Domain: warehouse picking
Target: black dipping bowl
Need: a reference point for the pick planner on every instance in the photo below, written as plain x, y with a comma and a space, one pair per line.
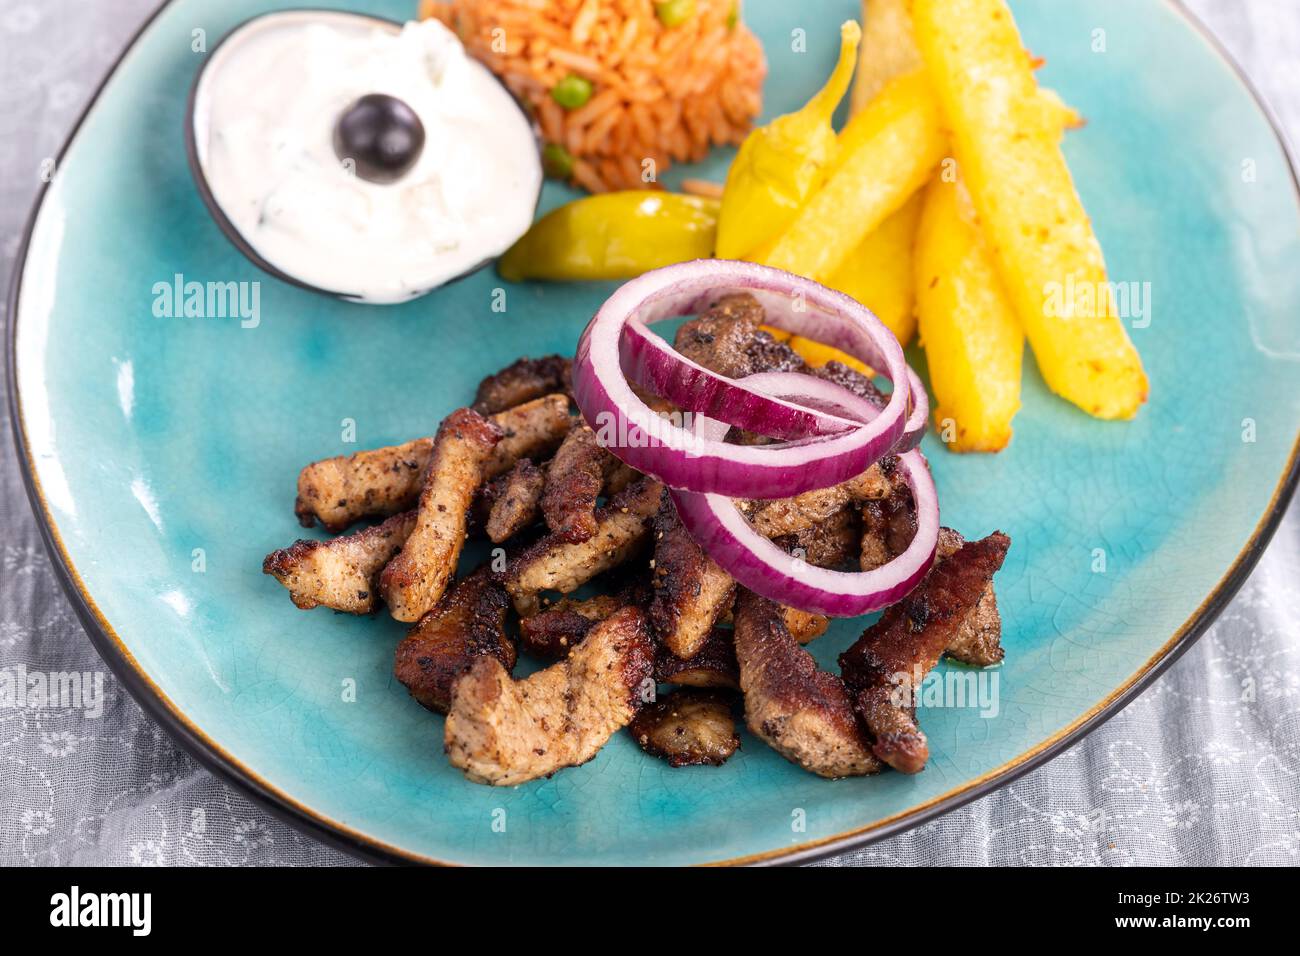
306, 15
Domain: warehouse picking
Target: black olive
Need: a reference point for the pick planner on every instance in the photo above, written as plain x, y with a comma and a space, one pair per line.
381, 135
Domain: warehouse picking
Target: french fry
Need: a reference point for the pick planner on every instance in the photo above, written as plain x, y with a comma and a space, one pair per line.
1008, 151
1058, 113
886, 154
888, 49
973, 341
878, 273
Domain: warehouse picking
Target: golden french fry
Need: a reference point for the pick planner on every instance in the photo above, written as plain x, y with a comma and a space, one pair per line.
878, 273
886, 154
973, 341
888, 49
1059, 114
1007, 148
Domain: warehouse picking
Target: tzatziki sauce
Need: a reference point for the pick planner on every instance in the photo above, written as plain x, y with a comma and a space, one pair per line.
265, 114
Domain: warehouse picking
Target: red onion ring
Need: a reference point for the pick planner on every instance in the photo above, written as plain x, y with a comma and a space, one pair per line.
717, 526
830, 449
756, 563
831, 433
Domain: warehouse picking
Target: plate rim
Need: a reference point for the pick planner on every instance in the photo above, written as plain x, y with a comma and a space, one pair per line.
216, 759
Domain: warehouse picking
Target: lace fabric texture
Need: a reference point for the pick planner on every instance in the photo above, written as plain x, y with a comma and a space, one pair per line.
1189, 773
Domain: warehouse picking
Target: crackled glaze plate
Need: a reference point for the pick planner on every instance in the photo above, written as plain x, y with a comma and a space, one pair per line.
162, 455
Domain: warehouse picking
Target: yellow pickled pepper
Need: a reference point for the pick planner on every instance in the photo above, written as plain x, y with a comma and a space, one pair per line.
780, 164
616, 235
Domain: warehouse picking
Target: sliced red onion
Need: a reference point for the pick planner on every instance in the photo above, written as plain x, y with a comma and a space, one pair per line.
726, 535
717, 526
914, 429
830, 434
827, 448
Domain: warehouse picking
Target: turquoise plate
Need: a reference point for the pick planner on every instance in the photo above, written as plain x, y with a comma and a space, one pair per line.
162, 454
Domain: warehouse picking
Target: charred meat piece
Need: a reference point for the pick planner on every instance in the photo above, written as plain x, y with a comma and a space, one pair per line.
690, 591
804, 626
503, 732
342, 573
688, 728
553, 564
414, 581
727, 339
888, 526
854, 381
531, 430
803, 713
783, 516
618, 476
467, 623
713, 665
831, 543
554, 632
574, 482
523, 381
515, 504
979, 636
767, 354
897, 739
383, 481
720, 338
885, 666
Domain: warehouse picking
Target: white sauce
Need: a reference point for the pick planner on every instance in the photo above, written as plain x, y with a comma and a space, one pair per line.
264, 120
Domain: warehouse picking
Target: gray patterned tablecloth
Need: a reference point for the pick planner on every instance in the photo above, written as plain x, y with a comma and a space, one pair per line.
1192, 772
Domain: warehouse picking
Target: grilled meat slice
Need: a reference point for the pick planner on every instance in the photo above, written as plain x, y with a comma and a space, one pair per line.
415, 580
552, 564
515, 504
383, 481
783, 516
896, 737
618, 476
573, 484
721, 337
767, 354
713, 665
504, 732
688, 728
727, 339
853, 380
531, 430
376, 483
690, 591
888, 526
467, 623
831, 543
884, 668
804, 713
523, 381
979, 636
554, 632
341, 573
